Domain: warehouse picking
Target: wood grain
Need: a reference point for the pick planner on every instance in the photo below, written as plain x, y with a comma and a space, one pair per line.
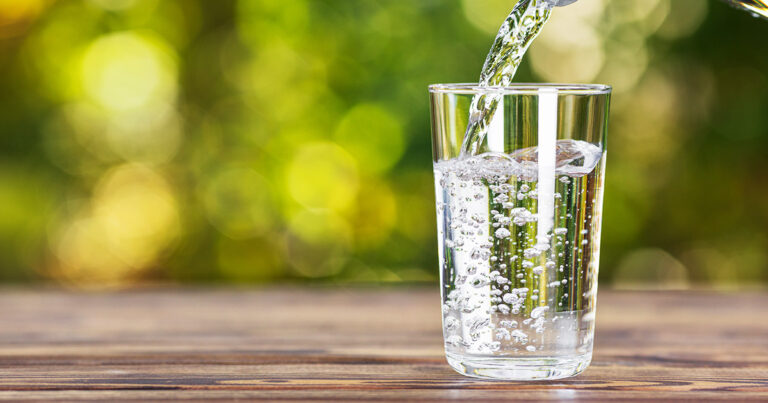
385, 345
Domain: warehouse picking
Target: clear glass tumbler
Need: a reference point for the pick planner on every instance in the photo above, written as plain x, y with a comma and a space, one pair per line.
518, 217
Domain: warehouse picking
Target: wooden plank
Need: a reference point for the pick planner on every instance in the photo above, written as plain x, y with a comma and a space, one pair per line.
300, 344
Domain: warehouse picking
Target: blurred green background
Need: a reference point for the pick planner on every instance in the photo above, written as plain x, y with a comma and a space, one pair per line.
155, 141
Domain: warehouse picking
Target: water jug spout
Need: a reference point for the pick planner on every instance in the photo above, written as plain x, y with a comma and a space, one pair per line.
758, 8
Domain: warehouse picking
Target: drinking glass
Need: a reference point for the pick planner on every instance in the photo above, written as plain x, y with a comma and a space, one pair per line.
518, 215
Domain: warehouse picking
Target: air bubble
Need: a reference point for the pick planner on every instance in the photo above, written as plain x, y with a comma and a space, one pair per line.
519, 336
451, 324
527, 265
510, 298
530, 253
503, 334
538, 311
510, 324
455, 341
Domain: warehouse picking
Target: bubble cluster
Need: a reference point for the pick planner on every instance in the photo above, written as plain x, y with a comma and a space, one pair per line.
508, 286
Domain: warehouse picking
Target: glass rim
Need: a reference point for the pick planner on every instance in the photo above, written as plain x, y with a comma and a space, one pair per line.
520, 88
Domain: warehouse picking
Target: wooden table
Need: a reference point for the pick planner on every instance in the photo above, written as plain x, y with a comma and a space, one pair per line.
355, 344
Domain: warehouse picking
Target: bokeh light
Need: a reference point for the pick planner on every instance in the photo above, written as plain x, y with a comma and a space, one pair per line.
114, 5
254, 141
375, 214
373, 135
571, 48
318, 244
323, 175
238, 202
131, 220
15, 15
486, 15
685, 17
126, 71
651, 268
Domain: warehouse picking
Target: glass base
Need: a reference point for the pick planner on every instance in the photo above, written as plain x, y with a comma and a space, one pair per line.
519, 369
